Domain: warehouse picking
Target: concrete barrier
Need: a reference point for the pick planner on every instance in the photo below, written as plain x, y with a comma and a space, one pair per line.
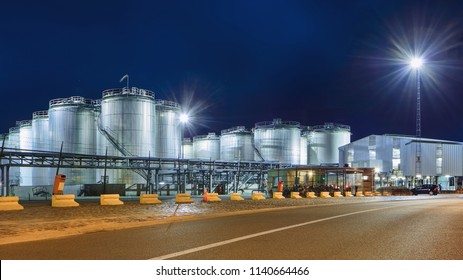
236, 196
311, 195
150, 199
377, 194
386, 194
337, 194
8, 203
358, 194
63, 200
110, 199
295, 195
348, 194
368, 194
278, 195
213, 197
183, 198
325, 194
257, 196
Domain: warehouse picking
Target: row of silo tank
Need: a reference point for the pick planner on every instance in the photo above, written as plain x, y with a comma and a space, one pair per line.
269, 141
130, 122
127, 121
279, 141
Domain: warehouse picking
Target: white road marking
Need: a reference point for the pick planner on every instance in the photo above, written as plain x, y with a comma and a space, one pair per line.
225, 242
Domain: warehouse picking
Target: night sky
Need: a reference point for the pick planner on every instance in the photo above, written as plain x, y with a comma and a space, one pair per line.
241, 62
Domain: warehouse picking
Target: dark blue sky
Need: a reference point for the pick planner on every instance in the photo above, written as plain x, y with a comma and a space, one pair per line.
245, 61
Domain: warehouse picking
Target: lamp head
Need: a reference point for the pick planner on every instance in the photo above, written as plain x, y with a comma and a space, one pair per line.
184, 118
416, 62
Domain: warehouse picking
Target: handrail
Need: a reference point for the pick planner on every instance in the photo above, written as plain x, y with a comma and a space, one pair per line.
128, 91
40, 114
329, 126
23, 123
73, 100
277, 122
167, 103
240, 129
210, 136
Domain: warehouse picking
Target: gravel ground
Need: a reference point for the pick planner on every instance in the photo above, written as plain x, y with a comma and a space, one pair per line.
39, 220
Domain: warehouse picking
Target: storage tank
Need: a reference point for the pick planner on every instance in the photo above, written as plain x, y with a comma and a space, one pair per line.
72, 122
278, 141
168, 129
127, 122
187, 149
25, 144
303, 153
206, 147
236, 144
13, 143
324, 141
41, 139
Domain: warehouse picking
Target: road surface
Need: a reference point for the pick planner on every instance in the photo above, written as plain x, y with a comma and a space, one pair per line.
413, 230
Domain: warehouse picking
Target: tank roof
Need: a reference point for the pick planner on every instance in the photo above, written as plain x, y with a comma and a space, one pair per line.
133, 91
210, 135
330, 127
234, 130
277, 123
23, 123
40, 114
13, 129
73, 100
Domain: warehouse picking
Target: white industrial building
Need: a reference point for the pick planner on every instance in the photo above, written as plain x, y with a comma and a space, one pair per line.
394, 158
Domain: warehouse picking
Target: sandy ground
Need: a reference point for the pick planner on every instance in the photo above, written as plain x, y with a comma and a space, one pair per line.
39, 220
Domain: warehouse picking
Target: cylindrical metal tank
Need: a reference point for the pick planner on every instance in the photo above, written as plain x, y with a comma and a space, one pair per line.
25, 144
72, 123
168, 129
303, 154
41, 142
127, 121
236, 144
278, 141
187, 149
324, 141
206, 147
13, 143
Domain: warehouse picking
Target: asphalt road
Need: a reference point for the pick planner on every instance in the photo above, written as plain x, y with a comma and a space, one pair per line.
413, 230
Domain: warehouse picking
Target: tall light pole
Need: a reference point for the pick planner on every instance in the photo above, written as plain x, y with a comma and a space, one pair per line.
416, 63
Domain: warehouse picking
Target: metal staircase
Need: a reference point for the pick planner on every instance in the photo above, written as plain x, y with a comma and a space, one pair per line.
110, 137
257, 152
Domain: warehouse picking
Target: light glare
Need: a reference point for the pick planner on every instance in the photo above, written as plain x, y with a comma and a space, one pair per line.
184, 118
416, 62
